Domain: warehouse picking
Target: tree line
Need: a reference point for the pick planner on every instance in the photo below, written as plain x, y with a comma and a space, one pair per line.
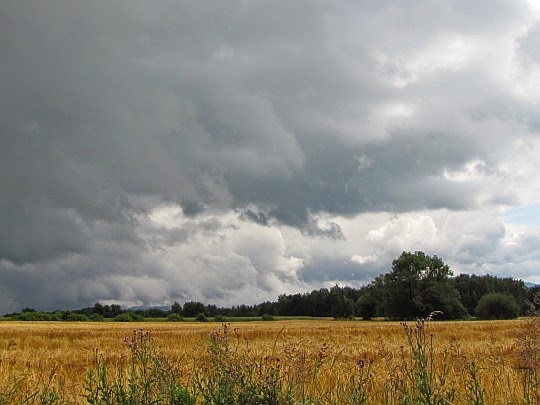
417, 285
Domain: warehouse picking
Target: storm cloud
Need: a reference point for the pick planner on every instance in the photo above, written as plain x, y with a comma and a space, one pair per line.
232, 151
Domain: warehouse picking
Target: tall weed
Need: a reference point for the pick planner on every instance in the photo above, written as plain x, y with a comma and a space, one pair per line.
528, 346
144, 377
233, 376
425, 371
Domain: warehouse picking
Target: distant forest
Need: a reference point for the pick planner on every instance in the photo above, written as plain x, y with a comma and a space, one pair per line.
416, 286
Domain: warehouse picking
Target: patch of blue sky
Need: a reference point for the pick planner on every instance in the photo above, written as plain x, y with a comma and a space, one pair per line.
528, 215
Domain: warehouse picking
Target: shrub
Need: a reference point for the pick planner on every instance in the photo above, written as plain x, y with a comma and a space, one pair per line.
267, 317
174, 317
219, 318
57, 316
75, 317
497, 306
125, 317
33, 316
128, 317
201, 317
96, 318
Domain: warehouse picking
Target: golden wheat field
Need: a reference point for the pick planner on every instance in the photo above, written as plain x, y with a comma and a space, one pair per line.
318, 359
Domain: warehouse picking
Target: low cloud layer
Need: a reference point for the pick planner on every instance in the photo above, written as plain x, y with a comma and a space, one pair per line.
229, 152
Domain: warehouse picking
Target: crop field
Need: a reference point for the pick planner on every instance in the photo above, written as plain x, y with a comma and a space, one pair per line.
313, 362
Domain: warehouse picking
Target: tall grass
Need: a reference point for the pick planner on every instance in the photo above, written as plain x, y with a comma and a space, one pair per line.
144, 377
425, 372
528, 346
424, 363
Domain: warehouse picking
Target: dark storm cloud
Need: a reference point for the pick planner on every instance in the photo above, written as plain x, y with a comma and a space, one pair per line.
258, 217
191, 208
113, 112
399, 177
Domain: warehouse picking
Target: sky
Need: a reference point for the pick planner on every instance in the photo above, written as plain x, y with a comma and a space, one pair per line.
232, 151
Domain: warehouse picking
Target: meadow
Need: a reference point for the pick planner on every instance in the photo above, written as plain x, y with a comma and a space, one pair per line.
293, 361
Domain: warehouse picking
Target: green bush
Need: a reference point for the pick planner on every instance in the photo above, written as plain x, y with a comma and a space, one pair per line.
128, 317
219, 318
201, 317
174, 317
74, 317
56, 316
267, 317
96, 318
34, 316
497, 306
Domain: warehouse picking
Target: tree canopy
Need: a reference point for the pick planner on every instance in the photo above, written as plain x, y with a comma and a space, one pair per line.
418, 285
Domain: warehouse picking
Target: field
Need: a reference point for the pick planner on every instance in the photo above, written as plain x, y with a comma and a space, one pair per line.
325, 362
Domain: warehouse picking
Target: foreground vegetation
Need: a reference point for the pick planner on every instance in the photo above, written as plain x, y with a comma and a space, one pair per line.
281, 362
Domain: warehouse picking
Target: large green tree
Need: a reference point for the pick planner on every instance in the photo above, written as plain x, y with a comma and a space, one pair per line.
193, 308
176, 308
418, 285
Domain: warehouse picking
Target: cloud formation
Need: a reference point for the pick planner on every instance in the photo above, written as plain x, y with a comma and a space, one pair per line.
233, 151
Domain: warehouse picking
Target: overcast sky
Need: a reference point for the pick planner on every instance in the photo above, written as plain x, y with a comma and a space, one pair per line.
231, 151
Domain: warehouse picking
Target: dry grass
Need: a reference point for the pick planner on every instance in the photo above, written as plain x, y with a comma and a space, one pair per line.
318, 359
